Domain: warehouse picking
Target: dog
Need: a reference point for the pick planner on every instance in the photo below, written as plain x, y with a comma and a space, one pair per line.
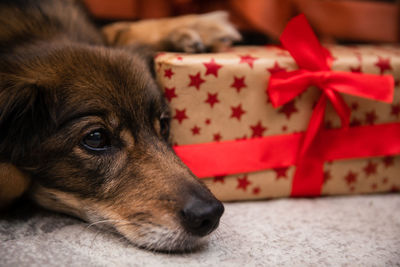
84, 127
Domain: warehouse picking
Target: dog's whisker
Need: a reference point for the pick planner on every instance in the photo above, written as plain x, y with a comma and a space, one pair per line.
95, 236
108, 230
219, 238
105, 222
216, 237
124, 224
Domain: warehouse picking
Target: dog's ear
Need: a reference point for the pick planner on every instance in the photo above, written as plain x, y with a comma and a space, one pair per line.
144, 52
147, 54
27, 115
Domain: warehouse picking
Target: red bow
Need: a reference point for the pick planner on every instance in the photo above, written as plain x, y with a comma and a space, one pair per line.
314, 63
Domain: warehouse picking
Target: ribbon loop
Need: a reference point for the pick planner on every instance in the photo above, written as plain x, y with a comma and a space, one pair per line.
308, 53
340, 106
284, 86
314, 63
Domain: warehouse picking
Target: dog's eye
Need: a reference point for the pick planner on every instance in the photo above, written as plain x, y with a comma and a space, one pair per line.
96, 140
164, 125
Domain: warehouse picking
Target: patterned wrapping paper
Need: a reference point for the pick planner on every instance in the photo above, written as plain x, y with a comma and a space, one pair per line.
218, 97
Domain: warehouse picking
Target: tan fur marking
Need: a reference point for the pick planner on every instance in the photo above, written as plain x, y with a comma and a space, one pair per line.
13, 183
60, 201
128, 138
157, 127
113, 120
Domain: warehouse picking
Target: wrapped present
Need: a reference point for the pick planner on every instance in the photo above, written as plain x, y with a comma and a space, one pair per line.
297, 120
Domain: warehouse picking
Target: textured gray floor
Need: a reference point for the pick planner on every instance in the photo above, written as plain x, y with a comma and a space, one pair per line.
339, 231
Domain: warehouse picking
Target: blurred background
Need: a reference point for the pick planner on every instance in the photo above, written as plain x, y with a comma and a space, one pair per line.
262, 21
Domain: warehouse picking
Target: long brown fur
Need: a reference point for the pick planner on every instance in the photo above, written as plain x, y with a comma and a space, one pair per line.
60, 85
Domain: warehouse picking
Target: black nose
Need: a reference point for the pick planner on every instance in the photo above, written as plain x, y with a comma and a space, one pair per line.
201, 217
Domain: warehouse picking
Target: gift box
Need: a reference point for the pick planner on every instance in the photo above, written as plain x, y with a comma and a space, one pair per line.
296, 120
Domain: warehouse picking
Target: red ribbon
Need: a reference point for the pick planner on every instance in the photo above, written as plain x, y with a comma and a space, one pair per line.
242, 156
314, 63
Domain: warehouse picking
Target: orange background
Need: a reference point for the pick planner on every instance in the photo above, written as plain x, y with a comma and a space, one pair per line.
345, 20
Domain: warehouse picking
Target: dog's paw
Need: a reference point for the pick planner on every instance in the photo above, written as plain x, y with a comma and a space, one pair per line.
201, 33
190, 33
184, 39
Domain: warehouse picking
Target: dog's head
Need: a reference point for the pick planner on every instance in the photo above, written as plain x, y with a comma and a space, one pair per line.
91, 128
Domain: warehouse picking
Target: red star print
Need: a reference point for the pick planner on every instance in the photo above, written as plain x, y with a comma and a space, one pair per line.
394, 189
169, 93
327, 176
388, 161
351, 178
219, 179
238, 83
168, 73
284, 128
196, 80
371, 117
281, 172
212, 68
195, 130
258, 130
395, 110
385, 180
355, 69
217, 137
354, 106
212, 99
243, 183
256, 190
248, 59
179, 58
276, 68
396, 83
374, 186
355, 122
237, 112
288, 109
370, 168
207, 121
180, 115
383, 64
